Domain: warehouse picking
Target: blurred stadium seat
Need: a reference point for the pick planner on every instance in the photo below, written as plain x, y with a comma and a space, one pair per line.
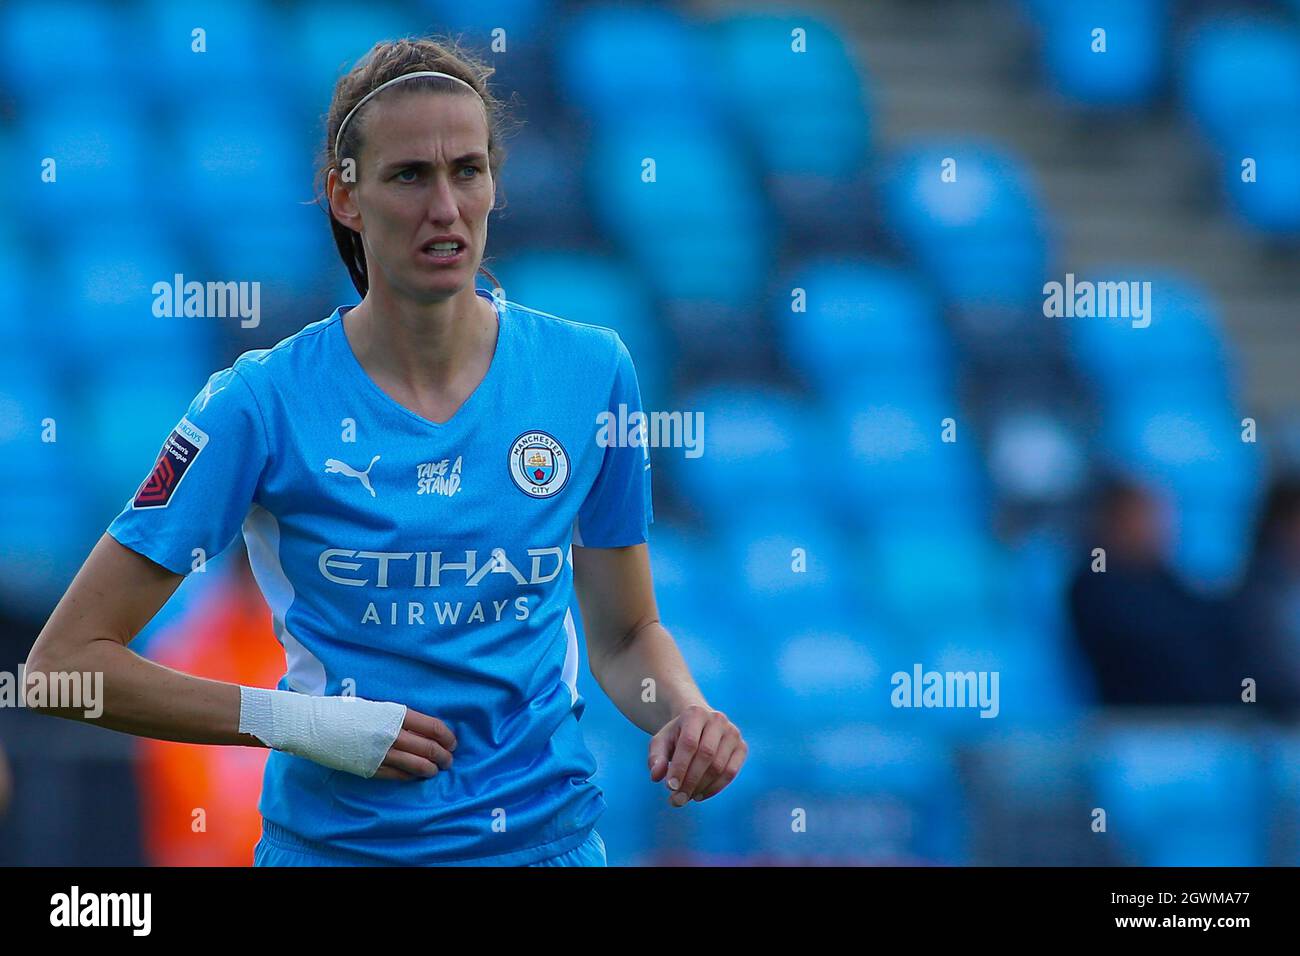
1241, 82
1177, 796
863, 321
979, 236
1131, 68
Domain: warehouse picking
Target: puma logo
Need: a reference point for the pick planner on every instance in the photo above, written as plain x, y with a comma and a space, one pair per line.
335, 467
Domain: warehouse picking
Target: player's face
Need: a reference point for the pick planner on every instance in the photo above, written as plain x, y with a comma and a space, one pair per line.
424, 173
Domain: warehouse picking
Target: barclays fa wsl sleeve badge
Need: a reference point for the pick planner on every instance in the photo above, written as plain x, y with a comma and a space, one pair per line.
174, 460
539, 465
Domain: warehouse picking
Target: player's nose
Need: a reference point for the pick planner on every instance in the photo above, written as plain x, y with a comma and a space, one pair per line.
442, 206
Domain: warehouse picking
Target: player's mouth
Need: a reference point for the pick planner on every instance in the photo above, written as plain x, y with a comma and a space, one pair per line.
444, 251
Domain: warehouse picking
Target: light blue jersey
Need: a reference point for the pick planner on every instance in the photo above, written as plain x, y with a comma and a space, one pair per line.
422, 563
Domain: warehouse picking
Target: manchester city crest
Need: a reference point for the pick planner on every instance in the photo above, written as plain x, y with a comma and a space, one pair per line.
539, 464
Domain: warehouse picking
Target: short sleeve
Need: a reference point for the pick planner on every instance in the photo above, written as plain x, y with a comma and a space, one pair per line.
618, 510
202, 484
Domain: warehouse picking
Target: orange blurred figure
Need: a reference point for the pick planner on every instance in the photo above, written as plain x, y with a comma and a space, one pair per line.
200, 803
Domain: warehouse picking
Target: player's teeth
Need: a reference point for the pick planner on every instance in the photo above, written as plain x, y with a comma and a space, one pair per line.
446, 245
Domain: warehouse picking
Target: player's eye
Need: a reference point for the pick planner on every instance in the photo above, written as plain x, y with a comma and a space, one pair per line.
401, 176
471, 166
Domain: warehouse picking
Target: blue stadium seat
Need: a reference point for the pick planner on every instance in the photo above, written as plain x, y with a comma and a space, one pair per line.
980, 238
242, 58
512, 36
1241, 80
1270, 203
522, 18
135, 403
1039, 565
1035, 455
46, 517
933, 578
332, 35
1180, 796
20, 274
286, 247
1283, 753
719, 650
1130, 70
877, 795
601, 72
103, 153
105, 278
522, 24
62, 46
1027, 774
1035, 684
702, 230
1190, 443
863, 320
1213, 535
1239, 73
758, 447
542, 173
887, 467
1182, 347
678, 560
246, 184
787, 563
584, 286
685, 567
237, 158
825, 674
786, 100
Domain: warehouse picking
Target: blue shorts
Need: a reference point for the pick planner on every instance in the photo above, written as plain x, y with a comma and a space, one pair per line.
279, 848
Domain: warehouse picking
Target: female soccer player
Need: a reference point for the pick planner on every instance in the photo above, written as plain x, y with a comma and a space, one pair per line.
410, 474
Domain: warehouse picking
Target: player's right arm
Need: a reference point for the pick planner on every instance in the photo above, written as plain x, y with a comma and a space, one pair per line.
114, 595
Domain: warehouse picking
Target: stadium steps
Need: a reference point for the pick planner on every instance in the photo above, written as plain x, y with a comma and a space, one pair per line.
1119, 187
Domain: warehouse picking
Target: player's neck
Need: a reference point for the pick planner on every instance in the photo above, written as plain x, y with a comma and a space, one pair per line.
428, 352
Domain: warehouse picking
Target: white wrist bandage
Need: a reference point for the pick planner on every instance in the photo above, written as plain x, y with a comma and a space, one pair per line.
345, 733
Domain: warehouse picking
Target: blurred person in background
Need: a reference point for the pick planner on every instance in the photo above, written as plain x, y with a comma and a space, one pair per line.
1267, 606
1149, 639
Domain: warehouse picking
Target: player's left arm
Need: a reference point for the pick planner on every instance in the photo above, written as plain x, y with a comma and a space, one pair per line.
694, 748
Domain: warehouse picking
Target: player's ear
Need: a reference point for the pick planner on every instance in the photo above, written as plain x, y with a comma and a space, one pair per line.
342, 200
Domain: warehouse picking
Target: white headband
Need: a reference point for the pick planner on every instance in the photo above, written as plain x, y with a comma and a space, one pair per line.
338, 138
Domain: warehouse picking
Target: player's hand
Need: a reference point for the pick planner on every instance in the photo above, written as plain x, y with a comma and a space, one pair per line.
697, 753
422, 748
